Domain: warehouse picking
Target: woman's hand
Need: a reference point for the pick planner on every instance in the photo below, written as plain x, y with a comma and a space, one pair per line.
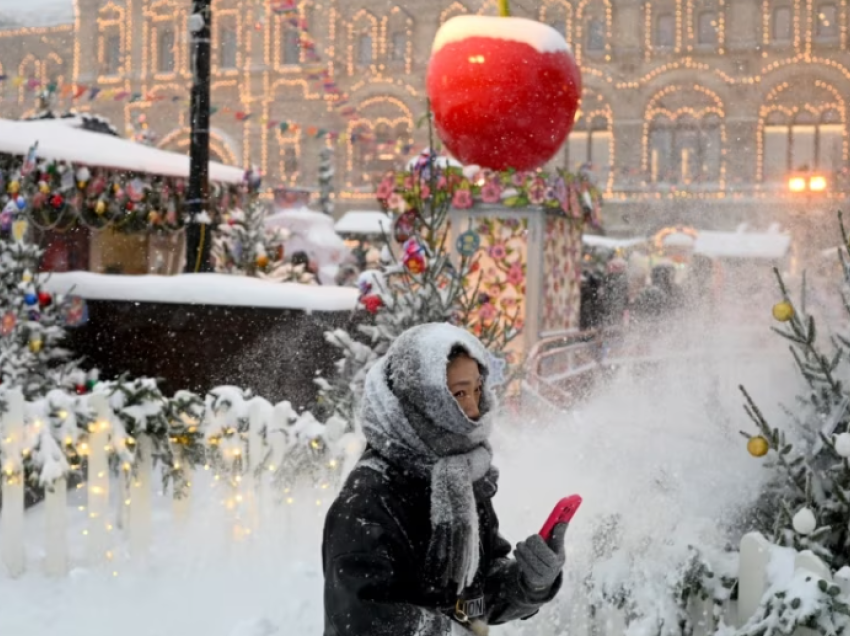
540, 562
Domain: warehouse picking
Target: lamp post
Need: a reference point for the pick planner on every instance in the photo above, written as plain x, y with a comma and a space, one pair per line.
198, 228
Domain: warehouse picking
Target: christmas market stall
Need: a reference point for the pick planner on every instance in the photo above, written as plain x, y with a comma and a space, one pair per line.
97, 201
520, 232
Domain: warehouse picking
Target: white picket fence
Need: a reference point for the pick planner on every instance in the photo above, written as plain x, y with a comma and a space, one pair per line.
244, 466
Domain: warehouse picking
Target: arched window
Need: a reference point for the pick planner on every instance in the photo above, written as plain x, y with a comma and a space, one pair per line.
707, 28
165, 50
826, 21
665, 30
806, 141
588, 148
365, 54
398, 47
112, 57
685, 150
290, 46
781, 26
227, 46
596, 35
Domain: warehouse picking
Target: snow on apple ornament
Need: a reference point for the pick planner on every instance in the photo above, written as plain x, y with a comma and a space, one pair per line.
504, 91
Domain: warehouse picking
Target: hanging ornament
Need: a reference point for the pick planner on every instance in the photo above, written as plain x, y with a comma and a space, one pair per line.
757, 446
414, 263
26, 276
372, 303
43, 187
405, 226
14, 187
842, 444
154, 218
36, 345
44, 299
129, 206
76, 311
20, 202
804, 521
67, 180
30, 160
6, 220
482, 105
468, 243
90, 384
262, 261
57, 201
30, 299
19, 229
34, 315
80, 389
783, 312
100, 207
83, 177
136, 190
7, 325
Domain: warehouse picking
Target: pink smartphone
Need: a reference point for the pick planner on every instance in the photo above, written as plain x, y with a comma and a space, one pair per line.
562, 513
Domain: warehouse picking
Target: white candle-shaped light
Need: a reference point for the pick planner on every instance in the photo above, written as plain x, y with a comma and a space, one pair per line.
56, 520
98, 479
12, 479
141, 493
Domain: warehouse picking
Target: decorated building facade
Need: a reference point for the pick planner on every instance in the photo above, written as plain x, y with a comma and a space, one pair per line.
690, 107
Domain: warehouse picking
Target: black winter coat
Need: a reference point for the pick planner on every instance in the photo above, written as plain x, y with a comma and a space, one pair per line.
375, 541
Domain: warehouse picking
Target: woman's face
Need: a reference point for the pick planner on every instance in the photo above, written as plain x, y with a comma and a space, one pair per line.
464, 380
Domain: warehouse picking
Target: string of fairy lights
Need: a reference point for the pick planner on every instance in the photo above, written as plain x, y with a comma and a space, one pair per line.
368, 43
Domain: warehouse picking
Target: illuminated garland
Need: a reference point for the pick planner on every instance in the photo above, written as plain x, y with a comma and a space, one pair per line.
572, 195
60, 194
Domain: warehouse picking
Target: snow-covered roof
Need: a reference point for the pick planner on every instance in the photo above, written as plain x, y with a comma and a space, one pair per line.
313, 233
35, 13
768, 246
204, 289
59, 139
593, 240
367, 222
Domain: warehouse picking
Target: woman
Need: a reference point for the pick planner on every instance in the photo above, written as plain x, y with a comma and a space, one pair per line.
412, 544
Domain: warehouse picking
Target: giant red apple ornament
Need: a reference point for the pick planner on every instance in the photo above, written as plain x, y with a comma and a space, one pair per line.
504, 91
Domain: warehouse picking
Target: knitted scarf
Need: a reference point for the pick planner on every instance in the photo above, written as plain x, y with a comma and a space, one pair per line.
411, 419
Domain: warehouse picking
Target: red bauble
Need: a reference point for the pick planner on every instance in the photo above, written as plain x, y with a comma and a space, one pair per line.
44, 299
80, 389
372, 303
56, 201
504, 91
129, 206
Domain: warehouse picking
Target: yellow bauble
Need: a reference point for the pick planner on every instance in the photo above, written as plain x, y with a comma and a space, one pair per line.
262, 261
43, 187
154, 218
100, 208
14, 187
783, 312
81, 185
35, 345
758, 446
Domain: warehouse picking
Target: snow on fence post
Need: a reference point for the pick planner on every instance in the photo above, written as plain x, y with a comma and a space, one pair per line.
56, 520
12, 511
752, 574
98, 479
141, 509
258, 417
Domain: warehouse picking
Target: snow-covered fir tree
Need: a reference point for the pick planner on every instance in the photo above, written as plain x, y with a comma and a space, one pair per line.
243, 245
326, 181
421, 281
32, 321
802, 512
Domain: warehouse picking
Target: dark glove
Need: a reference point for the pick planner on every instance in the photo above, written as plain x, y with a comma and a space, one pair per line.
540, 562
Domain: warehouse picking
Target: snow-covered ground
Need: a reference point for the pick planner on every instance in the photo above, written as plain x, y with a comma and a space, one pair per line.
659, 449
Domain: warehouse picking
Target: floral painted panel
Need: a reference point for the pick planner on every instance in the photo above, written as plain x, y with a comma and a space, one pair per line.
561, 296
500, 272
